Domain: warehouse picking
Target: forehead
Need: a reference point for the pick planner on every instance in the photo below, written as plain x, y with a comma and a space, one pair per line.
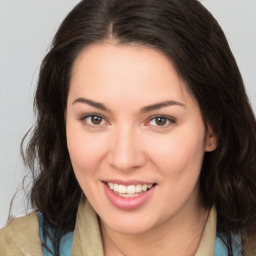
110, 54
139, 72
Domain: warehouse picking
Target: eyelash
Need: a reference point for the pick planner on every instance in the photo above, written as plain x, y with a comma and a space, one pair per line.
169, 120
84, 117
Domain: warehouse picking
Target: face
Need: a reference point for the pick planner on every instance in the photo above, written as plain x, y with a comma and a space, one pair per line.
136, 137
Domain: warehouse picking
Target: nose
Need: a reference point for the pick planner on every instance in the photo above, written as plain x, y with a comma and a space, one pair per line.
126, 150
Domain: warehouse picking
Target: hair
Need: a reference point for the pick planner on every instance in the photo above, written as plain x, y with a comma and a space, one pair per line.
194, 42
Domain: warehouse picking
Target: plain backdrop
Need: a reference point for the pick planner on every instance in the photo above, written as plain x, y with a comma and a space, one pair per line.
26, 29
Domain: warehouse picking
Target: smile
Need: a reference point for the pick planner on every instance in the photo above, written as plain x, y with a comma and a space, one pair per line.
129, 191
129, 196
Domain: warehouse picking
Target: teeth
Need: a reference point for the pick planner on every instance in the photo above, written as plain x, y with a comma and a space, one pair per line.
116, 187
150, 185
129, 191
122, 189
144, 187
127, 195
138, 188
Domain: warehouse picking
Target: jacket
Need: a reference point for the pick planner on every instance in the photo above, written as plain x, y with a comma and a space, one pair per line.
21, 236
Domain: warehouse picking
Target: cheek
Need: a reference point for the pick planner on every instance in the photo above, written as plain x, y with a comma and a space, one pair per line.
179, 162
181, 152
85, 151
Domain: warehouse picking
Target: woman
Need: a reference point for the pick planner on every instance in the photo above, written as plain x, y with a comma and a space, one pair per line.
145, 140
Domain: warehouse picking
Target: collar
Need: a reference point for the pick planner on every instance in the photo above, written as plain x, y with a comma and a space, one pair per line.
206, 245
87, 237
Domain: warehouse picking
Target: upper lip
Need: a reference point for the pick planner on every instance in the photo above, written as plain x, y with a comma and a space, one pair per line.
127, 182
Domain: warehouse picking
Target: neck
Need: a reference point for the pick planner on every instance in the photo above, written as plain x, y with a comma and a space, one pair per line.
178, 236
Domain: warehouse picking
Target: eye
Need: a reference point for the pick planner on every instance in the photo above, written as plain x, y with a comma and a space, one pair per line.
93, 120
160, 121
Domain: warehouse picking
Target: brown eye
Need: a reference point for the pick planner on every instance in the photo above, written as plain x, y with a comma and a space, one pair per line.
96, 120
160, 121
93, 120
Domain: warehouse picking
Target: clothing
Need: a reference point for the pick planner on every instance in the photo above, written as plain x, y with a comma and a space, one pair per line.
206, 246
20, 238
65, 243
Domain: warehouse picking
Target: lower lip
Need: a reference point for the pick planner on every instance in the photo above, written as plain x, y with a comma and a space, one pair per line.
128, 203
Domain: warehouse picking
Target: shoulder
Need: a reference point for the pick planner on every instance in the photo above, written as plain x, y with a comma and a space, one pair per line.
21, 237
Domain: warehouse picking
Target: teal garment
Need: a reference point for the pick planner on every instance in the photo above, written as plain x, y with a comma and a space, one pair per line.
67, 240
221, 250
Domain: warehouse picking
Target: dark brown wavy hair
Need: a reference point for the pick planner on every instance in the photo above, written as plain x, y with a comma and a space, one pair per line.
192, 39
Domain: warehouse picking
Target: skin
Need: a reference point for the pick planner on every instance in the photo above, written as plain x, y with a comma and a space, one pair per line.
128, 144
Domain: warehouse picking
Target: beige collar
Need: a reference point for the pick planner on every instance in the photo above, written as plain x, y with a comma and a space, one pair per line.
206, 246
87, 238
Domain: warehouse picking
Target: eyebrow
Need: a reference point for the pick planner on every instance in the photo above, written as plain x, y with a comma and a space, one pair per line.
161, 105
143, 110
91, 103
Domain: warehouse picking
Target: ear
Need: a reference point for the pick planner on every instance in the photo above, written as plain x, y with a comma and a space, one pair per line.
211, 140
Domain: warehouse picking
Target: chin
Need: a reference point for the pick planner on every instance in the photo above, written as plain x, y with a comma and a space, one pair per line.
130, 225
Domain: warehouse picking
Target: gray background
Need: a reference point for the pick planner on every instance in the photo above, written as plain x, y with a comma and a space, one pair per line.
26, 29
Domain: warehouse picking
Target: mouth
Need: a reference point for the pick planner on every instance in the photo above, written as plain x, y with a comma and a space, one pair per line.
129, 195
130, 190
